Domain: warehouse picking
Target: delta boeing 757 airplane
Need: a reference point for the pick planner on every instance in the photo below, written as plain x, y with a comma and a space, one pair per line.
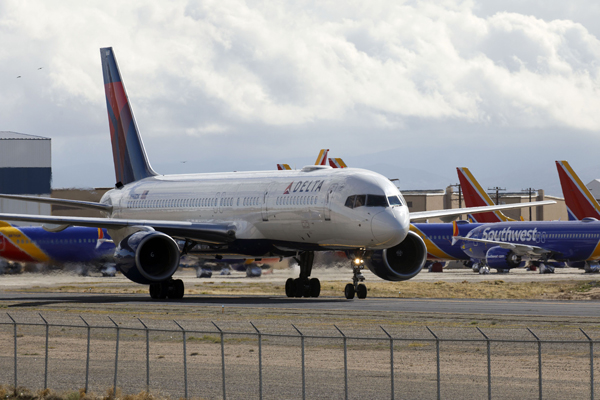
244, 214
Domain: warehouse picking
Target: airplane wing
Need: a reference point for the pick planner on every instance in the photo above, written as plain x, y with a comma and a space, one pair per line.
517, 248
64, 202
202, 232
447, 215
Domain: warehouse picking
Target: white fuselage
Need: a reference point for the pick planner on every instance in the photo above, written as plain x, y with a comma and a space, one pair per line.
288, 207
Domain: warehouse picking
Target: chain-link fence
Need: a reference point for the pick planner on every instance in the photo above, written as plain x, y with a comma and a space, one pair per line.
214, 363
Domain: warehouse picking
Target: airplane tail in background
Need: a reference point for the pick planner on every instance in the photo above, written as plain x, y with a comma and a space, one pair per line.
475, 196
131, 162
322, 159
579, 200
337, 163
281, 167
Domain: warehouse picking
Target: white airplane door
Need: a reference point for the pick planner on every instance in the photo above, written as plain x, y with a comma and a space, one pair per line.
265, 204
330, 193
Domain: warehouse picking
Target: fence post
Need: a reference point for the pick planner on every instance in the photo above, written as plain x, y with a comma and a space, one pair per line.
260, 377
345, 362
116, 358
391, 360
46, 354
15, 341
222, 359
489, 364
303, 364
591, 364
87, 357
185, 377
539, 361
147, 356
437, 349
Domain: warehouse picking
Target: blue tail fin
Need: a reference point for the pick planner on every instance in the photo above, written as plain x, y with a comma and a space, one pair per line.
131, 163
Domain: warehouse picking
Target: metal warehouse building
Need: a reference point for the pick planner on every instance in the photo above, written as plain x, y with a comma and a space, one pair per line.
25, 168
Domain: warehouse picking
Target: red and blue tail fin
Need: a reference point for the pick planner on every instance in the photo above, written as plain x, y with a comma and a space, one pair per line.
131, 162
475, 196
322, 159
579, 200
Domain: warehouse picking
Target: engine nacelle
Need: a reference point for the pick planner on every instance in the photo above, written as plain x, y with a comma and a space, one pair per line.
401, 262
146, 257
500, 258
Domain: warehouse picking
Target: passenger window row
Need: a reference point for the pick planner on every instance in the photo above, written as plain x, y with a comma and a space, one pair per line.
296, 200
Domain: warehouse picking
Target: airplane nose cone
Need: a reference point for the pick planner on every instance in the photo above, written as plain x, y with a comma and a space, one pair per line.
389, 227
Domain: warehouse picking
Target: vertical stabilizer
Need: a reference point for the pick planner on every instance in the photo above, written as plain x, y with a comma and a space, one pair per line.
475, 196
579, 200
131, 163
322, 159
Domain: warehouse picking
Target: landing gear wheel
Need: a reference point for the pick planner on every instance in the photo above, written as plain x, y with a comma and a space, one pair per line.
290, 287
361, 291
157, 291
349, 291
298, 287
314, 287
177, 289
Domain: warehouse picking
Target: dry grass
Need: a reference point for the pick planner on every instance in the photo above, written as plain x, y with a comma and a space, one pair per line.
22, 393
492, 289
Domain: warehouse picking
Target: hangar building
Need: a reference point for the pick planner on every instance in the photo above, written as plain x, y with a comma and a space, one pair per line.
25, 168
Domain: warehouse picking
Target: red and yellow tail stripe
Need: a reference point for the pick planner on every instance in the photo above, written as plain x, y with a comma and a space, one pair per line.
322, 159
17, 246
578, 198
475, 196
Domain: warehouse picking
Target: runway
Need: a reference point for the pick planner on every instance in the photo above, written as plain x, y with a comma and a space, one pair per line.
488, 307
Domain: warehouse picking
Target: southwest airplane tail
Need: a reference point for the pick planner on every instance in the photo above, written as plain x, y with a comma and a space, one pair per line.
322, 158
475, 196
131, 162
579, 200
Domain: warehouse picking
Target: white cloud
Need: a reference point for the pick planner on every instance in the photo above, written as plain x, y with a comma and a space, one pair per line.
300, 73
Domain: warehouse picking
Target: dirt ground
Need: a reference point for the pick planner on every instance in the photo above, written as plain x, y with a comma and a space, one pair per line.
463, 350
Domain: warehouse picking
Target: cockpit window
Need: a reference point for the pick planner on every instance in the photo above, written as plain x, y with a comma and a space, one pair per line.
374, 200
350, 201
361, 200
370, 200
394, 201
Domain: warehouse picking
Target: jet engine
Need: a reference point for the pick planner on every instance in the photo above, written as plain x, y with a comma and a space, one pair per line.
147, 256
401, 262
500, 258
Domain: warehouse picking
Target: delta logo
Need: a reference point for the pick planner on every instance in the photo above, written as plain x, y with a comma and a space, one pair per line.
304, 187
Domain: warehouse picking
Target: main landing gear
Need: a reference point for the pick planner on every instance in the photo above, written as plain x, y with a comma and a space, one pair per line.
304, 286
356, 288
171, 288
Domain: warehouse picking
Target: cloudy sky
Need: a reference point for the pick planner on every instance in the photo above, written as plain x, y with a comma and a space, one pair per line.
411, 89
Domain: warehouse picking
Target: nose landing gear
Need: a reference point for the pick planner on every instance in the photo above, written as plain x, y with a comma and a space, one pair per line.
360, 289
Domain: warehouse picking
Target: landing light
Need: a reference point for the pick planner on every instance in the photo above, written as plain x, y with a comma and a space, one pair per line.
358, 261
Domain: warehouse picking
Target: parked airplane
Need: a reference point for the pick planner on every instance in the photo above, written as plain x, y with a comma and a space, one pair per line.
579, 200
506, 245
32, 244
243, 214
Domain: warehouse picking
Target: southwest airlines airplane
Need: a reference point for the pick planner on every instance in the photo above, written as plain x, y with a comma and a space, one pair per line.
32, 244
244, 214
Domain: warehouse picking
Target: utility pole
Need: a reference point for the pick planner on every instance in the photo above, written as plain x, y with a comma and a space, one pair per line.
457, 185
530, 191
497, 189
